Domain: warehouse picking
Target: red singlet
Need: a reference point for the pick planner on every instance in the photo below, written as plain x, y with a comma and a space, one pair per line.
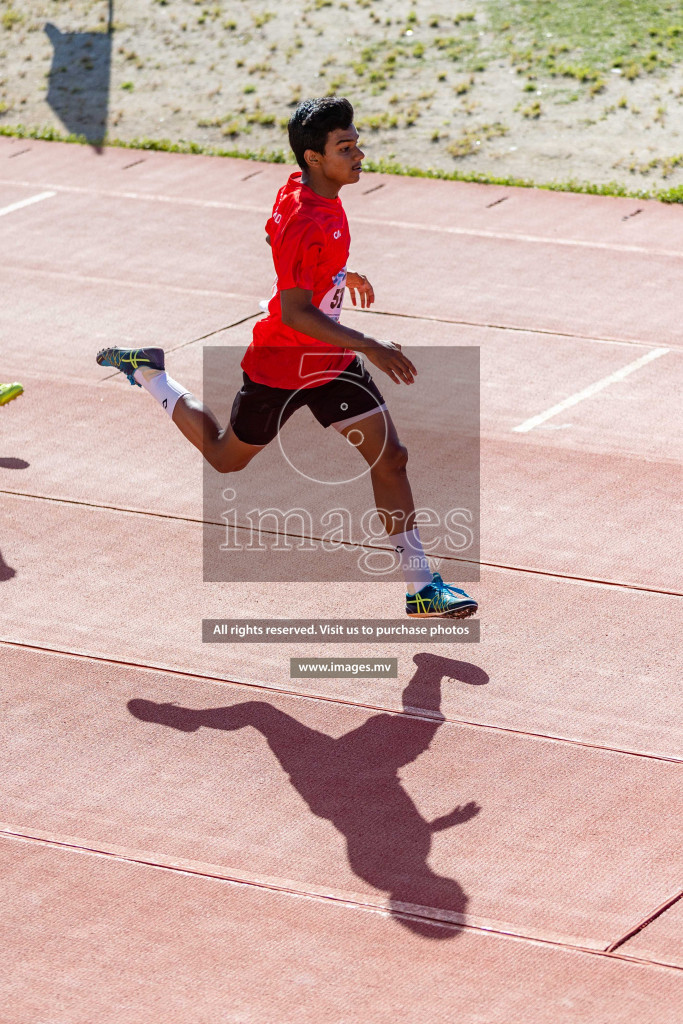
310, 241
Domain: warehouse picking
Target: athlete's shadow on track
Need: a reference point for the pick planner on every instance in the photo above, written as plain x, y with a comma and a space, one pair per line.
6, 571
353, 782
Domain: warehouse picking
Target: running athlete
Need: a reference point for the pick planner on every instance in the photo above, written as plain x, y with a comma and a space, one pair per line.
301, 355
8, 392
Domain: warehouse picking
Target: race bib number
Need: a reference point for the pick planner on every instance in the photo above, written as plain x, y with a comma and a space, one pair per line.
331, 304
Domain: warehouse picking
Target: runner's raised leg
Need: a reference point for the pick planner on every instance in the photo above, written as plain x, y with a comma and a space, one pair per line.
220, 446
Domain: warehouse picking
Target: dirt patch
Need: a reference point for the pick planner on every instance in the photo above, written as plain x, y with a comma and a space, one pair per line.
456, 91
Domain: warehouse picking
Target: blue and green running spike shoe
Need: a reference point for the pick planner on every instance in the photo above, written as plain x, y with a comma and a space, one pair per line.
10, 391
439, 598
128, 360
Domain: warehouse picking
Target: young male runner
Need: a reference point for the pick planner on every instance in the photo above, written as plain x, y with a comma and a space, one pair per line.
10, 391
301, 355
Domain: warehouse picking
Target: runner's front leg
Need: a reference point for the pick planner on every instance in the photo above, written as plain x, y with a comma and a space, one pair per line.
376, 438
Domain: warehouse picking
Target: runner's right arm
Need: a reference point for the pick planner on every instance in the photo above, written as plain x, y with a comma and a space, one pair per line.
299, 313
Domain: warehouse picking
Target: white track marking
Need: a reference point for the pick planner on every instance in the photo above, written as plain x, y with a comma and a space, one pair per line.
216, 204
592, 389
149, 197
26, 202
507, 236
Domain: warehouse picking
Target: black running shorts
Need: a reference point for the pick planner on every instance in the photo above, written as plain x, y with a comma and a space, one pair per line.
259, 411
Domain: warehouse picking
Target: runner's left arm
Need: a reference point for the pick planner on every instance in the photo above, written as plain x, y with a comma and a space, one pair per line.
359, 283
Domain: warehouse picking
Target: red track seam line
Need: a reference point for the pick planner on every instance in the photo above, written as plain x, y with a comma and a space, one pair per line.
508, 327
112, 508
645, 922
202, 337
268, 688
372, 312
565, 576
128, 282
469, 561
193, 341
339, 900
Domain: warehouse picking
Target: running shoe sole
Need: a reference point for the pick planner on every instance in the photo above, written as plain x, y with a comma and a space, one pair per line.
10, 392
128, 360
457, 613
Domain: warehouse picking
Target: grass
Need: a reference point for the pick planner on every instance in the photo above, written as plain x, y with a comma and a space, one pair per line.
578, 40
472, 138
10, 18
375, 122
50, 134
584, 39
462, 87
665, 165
563, 49
613, 188
533, 111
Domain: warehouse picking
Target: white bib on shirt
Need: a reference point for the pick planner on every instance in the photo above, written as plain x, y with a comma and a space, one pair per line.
332, 301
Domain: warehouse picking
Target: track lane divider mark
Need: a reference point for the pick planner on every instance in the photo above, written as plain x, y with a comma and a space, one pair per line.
26, 202
592, 389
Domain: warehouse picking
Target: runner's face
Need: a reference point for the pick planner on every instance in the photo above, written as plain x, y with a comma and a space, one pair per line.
342, 159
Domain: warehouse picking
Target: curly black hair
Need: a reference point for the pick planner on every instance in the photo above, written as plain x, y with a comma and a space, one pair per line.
313, 120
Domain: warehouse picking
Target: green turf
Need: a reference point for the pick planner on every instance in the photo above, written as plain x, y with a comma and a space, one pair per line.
613, 188
413, 56
592, 36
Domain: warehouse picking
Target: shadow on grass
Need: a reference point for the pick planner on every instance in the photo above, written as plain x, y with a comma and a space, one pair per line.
353, 782
80, 80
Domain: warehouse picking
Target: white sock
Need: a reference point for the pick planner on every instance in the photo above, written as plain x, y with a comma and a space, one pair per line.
408, 547
162, 387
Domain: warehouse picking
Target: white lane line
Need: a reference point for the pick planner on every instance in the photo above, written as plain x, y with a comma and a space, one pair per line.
505, 236
149, 197
27, 202
592, 389
508, 236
